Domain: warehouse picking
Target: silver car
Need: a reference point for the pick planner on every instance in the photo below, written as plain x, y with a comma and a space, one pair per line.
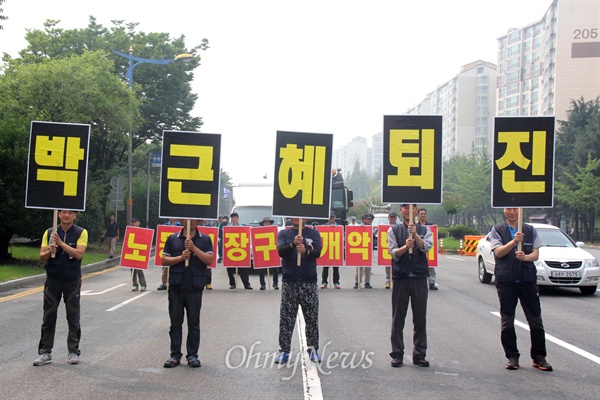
562, 262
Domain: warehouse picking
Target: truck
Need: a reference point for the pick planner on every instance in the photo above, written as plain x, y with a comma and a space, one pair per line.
341, 198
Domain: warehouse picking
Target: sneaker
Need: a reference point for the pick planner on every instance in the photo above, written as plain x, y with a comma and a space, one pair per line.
143, 289
194, 362
512, 363
263, 287
387, 285
219, 260
73, 358
134, 289
208, 286
541, 363
162, 287
275, 286
324, 285
172, 362
337, 285
314, 356
44, 358
433, 286
368, 286
248, 287
282, 358
356, 286
231, 286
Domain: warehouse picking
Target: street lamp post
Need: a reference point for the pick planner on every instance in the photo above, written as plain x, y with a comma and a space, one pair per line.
134, 62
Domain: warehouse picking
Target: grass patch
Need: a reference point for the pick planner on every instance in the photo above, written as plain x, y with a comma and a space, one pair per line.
26, 261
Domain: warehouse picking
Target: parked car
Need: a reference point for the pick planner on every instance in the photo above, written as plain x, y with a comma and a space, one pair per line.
561, 262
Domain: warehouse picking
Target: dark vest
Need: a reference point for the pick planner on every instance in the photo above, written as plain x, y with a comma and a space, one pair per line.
63, 267
414, 264
508, 269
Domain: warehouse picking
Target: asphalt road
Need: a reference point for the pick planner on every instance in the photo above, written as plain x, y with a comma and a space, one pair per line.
125, 342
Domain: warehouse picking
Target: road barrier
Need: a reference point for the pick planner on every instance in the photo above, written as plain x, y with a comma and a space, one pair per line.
471, 244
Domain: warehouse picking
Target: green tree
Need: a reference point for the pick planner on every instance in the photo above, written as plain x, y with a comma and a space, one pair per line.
77, 89
2, 16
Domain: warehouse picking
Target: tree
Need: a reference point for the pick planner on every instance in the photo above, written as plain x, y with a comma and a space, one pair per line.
2, 17
77, 89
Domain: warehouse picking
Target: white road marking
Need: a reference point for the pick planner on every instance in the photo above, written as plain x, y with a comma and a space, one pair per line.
87, 292
128, 301
458, 258
559, 342
310, 375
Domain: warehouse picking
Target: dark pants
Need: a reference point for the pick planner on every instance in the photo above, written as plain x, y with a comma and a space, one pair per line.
243, 272
53, 291
509, 295
138, 275
294, 294
191, 301
273, 271
336, 275
208, 276
415, 290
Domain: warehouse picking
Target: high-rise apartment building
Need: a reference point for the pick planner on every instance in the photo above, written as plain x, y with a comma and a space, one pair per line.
545, 65
466, 104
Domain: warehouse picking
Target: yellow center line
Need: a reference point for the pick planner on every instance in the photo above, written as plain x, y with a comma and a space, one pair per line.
41, 288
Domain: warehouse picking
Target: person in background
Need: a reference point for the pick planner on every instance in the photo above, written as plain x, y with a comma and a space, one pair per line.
224, 222
186, 284
165, 270
422, 219
111, 231
137, 274
336, 270
408, 244
267, 221
243, 272
392, 220
516, 280
63, 280
367, 219
353, 221
299, 287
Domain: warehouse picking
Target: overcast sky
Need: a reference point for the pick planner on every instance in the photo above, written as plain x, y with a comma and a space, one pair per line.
321, 66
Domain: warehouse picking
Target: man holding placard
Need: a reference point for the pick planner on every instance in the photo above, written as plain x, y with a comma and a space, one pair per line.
186, 284
409, 244
62, 261
515, 274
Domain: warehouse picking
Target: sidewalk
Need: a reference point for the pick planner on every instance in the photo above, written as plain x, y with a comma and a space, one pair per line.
40, 279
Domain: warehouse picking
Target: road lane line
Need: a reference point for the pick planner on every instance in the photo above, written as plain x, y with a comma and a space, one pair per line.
87, 292
457, 258
310, 374
559, 342
41, 288
128, 301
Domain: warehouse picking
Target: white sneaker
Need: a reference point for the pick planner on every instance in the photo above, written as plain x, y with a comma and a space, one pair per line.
44, 358
72, 359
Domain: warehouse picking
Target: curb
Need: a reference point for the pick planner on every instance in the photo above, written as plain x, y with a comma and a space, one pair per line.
40, 279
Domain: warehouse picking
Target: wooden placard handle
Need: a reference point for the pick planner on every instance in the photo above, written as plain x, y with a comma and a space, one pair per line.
520, 228
54, 230
187, 235
300, 226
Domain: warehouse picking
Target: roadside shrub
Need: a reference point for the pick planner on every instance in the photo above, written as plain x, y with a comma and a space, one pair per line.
459, 231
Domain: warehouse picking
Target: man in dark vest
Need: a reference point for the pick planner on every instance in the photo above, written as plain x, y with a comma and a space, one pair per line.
515, 275
62, 261
408, 244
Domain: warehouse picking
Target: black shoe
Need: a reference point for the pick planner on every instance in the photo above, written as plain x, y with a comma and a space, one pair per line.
397, 362
194, 362
162, 287
541, 363
421, 362
275, 286
262, 287
512, 363
433, 286
248, 287
219, 260
231, 286
368, 286
172, 362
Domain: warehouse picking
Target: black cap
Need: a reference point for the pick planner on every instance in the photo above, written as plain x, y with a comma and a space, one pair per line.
392, 214
368, 216
407, 204
265, 219
135, 219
